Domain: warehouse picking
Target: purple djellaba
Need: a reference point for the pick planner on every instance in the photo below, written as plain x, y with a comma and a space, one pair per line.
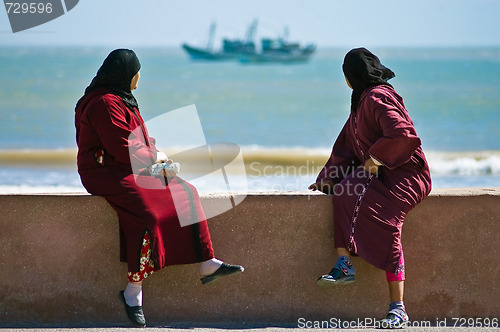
377, 173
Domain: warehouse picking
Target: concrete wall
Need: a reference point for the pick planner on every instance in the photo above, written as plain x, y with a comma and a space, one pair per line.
59, 263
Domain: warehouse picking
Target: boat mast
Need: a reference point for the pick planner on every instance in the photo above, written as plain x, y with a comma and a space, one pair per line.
211, 35
252, 28
286, 33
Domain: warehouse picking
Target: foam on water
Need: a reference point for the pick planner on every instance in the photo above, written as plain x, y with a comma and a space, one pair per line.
267, 169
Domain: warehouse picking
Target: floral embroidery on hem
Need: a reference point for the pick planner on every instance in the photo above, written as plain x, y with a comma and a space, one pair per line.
146, 265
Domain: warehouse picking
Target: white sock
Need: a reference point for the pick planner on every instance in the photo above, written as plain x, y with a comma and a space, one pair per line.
210, 266
133, 295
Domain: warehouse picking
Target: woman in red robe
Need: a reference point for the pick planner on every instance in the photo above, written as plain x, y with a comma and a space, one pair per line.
113, 160
377, 173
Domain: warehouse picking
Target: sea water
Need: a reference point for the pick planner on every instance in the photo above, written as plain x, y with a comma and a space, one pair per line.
292, 113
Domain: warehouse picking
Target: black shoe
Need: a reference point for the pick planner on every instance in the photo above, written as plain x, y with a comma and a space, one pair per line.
336, 277
134, 314
223, 271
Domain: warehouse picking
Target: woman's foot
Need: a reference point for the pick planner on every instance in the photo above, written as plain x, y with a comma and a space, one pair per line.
223, 271
342, 273
210, 266
135, 313
397, 318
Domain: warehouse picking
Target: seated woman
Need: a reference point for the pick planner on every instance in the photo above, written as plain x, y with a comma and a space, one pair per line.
377, 172
151, 236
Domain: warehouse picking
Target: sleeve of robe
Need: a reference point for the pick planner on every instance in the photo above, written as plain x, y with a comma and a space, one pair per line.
399, 140
342, 160
111, 120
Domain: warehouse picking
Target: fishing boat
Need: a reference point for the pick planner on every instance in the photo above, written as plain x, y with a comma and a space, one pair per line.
231, 49
279, 50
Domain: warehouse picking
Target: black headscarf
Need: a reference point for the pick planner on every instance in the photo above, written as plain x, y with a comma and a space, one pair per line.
116, 74
363, 69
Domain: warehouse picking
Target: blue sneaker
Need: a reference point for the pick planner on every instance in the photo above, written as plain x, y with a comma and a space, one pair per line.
342, 273
397, 318
336, 277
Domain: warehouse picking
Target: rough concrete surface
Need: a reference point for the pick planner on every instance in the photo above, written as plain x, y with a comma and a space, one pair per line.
59, 265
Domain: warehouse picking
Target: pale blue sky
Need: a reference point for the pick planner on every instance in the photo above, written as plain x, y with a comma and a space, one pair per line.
129, 23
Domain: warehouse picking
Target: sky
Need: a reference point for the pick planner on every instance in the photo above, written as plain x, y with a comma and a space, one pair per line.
327, 23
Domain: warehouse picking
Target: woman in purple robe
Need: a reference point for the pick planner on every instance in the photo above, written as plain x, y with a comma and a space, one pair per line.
377, 173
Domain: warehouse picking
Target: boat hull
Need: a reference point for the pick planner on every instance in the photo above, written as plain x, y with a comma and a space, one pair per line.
202, 54
274, 58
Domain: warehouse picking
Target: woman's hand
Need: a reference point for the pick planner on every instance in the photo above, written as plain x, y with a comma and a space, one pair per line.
371, 167
325, 186
161, 157
167, 172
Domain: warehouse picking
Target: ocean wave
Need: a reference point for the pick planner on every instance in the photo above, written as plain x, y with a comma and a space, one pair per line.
38, 157
278, 160
464, 163
266, 169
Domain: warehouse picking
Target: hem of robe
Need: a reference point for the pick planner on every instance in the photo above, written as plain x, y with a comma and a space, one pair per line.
201, 255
